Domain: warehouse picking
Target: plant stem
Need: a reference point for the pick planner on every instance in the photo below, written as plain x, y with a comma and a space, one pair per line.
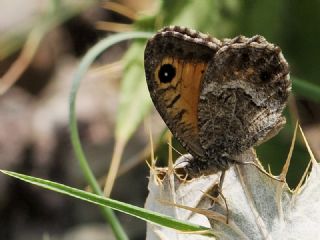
80, 72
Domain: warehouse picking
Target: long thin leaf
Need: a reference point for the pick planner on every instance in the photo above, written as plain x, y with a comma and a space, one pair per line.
135, 211
306, 89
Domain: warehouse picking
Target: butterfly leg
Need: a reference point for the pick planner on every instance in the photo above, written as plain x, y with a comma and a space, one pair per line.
216, 191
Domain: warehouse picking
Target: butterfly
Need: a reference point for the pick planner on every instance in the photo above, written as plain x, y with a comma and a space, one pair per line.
219, 98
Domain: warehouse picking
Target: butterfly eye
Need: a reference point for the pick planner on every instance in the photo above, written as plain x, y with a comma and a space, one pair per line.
166, 73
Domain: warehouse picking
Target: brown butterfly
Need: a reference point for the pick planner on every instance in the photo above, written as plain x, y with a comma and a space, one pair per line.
218, 98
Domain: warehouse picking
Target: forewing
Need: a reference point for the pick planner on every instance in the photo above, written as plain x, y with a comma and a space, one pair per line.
175, 61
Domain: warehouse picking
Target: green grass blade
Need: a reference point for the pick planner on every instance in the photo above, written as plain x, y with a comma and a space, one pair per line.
80, 72
135, 211
306, 89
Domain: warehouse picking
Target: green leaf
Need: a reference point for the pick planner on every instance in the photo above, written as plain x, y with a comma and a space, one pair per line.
306, 89
135, 211
214, 17
134, 96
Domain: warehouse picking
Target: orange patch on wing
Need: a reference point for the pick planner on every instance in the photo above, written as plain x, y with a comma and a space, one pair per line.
186, 84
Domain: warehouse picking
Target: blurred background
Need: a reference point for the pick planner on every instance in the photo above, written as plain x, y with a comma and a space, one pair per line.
41, 45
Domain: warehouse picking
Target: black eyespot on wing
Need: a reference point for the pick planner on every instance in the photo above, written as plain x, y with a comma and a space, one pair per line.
265, 76
245, 58
166, 73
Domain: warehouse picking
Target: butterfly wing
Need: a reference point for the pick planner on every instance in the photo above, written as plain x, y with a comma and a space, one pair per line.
246, 86
175, 61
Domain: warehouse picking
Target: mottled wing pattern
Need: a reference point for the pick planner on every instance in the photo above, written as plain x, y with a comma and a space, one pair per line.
242, 96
